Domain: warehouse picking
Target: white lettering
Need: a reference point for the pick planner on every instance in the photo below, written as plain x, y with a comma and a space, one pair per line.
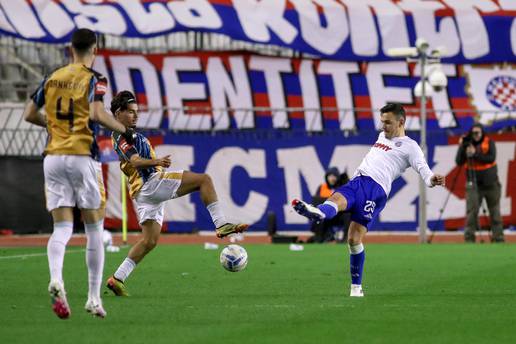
504, 156
379, 93
513, 36
102, 18
195, 13
445, 34
444, 163
508, 5
391, 22
401, 206
122, 67
176, 92
298, 163
54, 18
364, 37
20, 15
219, 168
326, 39
347, 158
339, 72
272, 69
441, 101
150, 19
233, 89
472, 30
310, 92
257, 17
4, 23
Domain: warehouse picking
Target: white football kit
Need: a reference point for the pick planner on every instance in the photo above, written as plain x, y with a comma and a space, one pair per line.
389, 158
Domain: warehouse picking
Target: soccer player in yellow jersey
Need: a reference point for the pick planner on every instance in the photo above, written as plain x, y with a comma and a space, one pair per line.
72, 101
151, 186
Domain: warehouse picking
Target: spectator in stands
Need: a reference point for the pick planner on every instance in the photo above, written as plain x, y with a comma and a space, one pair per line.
328, 230
72, 96
478, 153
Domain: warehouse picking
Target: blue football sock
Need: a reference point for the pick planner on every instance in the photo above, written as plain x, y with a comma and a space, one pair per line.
329, 209
356, 263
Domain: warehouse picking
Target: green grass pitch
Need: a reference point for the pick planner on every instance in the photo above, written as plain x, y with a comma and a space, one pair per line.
181, 294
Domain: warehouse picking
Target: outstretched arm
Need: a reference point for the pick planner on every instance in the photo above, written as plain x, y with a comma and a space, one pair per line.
419, 164
99, 114
139, 162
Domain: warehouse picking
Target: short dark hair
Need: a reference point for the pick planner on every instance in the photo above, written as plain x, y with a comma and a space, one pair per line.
396, 109
121, 101
477, 125
83, 40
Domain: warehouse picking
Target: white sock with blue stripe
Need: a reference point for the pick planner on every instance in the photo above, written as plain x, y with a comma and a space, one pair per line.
217, 216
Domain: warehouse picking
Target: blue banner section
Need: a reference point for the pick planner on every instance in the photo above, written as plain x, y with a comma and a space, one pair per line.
344, 30
256, 174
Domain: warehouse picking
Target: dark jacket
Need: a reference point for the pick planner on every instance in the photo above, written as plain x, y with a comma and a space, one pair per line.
482, 166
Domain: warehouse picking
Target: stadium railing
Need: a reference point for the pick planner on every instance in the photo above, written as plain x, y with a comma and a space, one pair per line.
23, 63
20, 138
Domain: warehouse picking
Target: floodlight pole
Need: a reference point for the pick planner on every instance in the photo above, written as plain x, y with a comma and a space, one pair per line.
422, 117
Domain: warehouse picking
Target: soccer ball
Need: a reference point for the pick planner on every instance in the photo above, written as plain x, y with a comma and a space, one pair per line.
233, 258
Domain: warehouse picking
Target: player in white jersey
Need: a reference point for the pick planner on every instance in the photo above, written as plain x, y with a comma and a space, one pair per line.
366, 193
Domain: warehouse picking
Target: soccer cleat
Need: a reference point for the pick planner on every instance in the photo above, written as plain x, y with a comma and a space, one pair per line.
314, 214
117, 286
230, 228
356, 291
58, 299
95, 308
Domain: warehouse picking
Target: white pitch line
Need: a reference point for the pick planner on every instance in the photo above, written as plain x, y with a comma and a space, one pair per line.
24, 256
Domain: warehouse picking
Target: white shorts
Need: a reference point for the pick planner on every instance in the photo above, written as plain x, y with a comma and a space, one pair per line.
160, 187
72, 180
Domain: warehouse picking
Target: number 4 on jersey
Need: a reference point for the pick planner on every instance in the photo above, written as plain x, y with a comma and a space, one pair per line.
68, 116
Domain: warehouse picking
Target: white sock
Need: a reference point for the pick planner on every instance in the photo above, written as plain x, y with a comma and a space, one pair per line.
356, 249
333, 205
94, 258
56, 248
125, 269
217, 216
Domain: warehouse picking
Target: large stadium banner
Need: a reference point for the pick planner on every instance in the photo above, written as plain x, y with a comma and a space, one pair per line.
472, 31
258, 173
244, 91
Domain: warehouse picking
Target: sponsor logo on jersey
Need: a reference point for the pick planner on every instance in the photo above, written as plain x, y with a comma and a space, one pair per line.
382, 146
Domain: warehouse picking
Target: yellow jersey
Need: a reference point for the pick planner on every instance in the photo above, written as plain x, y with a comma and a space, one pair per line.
66, 95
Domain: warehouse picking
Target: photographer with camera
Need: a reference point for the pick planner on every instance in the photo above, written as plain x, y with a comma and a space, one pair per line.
477, 153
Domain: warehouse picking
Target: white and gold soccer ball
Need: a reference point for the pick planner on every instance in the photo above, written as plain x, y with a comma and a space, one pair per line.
233, 258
